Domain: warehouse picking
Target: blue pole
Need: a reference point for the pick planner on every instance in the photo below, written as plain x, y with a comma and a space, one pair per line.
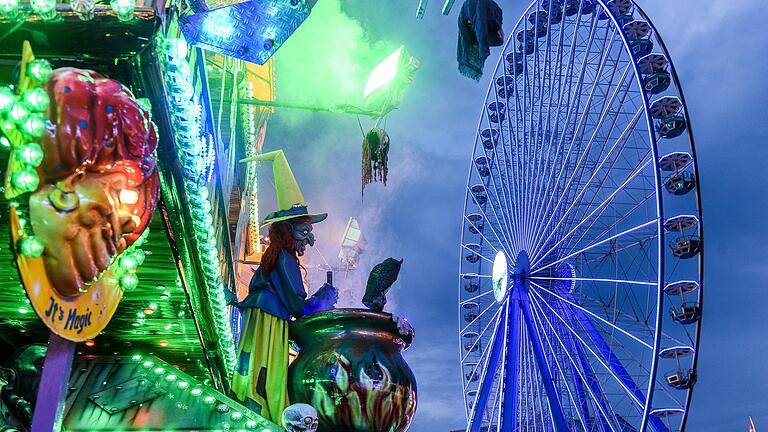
511, 356
593, 384
561, 425
615, 364
486, 382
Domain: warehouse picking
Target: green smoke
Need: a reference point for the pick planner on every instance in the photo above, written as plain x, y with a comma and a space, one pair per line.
328, 59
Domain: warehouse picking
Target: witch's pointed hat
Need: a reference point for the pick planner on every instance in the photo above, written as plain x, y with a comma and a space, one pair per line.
290, 200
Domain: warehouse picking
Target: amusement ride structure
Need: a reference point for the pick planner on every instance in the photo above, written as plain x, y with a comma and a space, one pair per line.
581, 257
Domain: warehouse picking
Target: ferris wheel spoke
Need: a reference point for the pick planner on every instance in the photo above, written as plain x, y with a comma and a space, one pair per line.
503, 203
592, 314
538, 133
546, 177
572, 244
486, 350
596, 244
543, 157
488, 376
478, 317
477, 297
507, 202
496, 406
490, 223
580, 164
598, 402
567, 73
560, 380
599, 207
480, 233
575, 96
478, 253
480, 336
616, 281
614, 365
543, 366
578, 199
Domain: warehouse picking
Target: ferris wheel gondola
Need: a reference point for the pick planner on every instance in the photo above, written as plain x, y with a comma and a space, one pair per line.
582, 249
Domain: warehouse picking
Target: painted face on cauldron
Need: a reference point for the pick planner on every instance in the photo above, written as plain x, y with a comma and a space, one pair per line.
100, 183
302, 234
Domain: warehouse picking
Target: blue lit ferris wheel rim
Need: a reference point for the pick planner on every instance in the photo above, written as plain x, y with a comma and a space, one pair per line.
560, 281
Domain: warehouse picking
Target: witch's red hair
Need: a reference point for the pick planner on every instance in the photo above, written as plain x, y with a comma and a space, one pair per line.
280, 239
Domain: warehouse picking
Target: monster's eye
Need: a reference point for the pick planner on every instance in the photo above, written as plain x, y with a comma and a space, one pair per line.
63, 201
306, 231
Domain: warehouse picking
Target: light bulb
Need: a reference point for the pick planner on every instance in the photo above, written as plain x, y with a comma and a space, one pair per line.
6, 95
84, 8
45, 8
37, 99
31, 154
40, 70
34, 125
32, 247
123, 9
25, 179
129, 281
9, 9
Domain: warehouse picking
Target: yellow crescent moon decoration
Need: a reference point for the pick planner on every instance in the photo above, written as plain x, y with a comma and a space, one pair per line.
76, 318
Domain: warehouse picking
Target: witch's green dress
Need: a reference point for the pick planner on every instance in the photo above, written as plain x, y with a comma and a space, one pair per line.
261, 377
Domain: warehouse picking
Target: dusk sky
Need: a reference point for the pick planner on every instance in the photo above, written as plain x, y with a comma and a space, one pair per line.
718, 48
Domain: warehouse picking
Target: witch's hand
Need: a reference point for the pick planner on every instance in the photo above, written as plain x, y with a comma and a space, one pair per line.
325, 298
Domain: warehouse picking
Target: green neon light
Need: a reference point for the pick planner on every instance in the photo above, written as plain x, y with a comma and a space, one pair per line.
190, 147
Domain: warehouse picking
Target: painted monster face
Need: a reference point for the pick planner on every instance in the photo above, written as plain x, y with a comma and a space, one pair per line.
100, 181
302, 234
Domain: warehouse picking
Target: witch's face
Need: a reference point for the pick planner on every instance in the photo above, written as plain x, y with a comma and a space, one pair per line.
302, 234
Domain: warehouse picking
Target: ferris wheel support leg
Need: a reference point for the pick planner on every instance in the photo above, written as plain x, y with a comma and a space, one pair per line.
615, 365
556, 408
489, 374
511, 359
593, 384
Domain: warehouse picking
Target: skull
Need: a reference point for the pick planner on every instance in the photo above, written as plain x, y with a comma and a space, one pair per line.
300, 418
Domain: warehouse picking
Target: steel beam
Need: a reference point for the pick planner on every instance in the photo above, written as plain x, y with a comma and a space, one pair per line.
511, 361
555, 407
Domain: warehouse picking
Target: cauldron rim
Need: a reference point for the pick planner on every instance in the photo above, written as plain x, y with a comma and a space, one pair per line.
363, 318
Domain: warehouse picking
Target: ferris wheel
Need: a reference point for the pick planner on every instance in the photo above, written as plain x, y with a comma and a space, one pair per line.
580, 280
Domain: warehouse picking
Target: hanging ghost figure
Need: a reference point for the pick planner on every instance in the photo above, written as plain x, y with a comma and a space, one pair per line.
300, 418
375, 156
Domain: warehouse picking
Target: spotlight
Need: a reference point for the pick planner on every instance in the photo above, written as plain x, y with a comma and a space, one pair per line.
387, 81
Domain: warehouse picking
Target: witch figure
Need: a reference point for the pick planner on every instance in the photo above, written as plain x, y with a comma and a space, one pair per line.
275, 296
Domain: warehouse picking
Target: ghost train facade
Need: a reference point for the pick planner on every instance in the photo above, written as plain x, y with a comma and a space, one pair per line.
117, 128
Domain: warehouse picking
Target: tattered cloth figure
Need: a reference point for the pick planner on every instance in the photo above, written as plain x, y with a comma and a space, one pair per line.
375, 155
276, 295
480, 27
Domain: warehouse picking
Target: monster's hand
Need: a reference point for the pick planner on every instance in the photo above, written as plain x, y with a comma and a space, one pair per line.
403, 326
